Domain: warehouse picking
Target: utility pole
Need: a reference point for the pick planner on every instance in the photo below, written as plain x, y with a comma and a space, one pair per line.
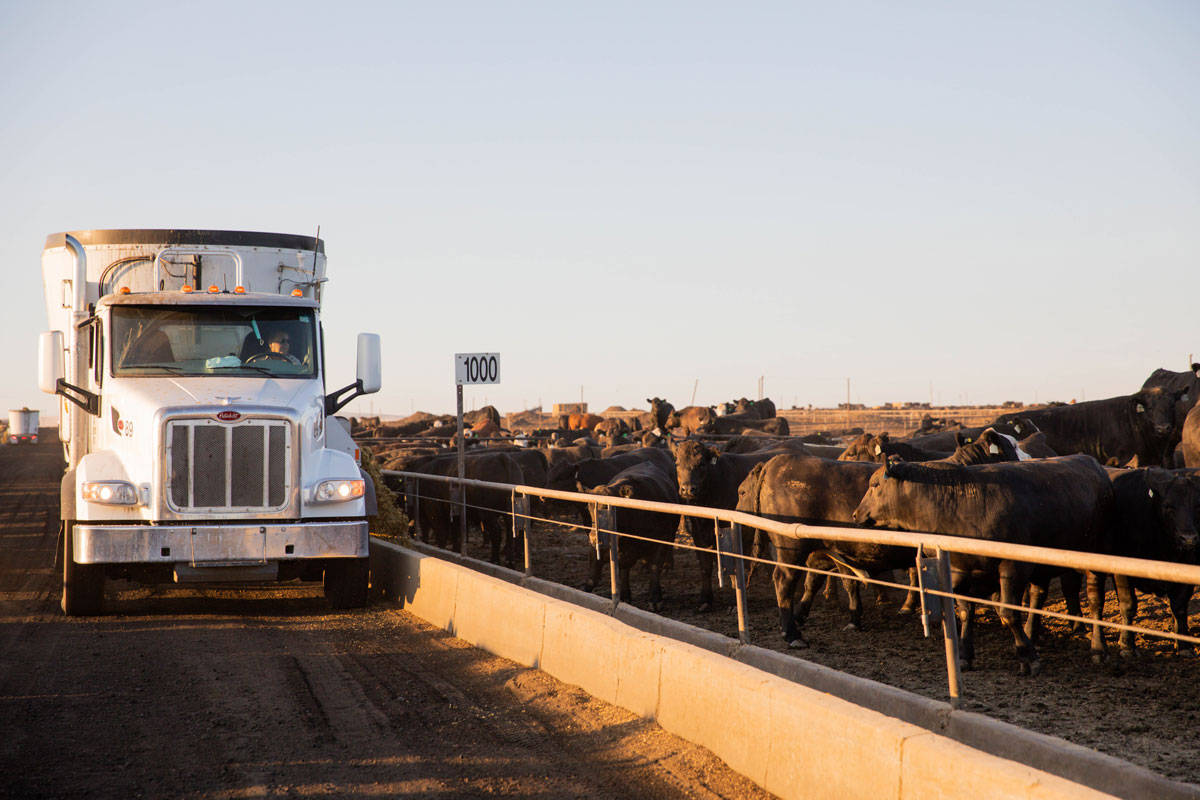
847, 404
695, 386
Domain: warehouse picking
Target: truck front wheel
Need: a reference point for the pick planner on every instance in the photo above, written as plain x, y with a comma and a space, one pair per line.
83, 584
346, 582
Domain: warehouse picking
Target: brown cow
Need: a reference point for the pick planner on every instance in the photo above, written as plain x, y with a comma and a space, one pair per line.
583, 422
692, 419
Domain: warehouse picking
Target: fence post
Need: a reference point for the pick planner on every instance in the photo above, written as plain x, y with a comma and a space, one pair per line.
739, 583
717, 540
520, 517
950, 630
417, 506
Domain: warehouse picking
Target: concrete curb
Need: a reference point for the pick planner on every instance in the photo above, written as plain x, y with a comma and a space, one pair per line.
795, 728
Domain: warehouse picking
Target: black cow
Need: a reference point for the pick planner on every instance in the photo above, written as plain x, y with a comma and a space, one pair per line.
1156, 519
660, 412
710, 478
1064, 502
765, 408
642, 481
736, 423
879, 448
490, 509
752, 443
818, 491
1120, 428
1018, 428
1188, 381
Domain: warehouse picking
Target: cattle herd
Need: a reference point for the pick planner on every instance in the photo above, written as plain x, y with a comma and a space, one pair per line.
1119, 476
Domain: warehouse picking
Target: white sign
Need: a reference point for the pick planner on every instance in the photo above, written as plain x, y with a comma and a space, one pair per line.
476, 368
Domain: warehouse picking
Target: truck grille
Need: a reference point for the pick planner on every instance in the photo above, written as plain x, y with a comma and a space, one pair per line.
215, 466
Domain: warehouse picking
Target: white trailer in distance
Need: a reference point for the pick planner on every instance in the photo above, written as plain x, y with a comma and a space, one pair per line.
195, 420
23, 426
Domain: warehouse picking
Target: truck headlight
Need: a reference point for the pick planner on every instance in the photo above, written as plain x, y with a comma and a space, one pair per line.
113, 493
337, 491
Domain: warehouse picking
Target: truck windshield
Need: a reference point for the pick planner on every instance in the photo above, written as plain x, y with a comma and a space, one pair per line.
163, 341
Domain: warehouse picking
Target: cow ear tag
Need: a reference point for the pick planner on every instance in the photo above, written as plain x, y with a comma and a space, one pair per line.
878, 449
1152, 493
712, 460
993, 449
1017, 428
1141, 409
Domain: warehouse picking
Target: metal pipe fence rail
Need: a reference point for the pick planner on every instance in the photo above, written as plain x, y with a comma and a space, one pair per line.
933, 554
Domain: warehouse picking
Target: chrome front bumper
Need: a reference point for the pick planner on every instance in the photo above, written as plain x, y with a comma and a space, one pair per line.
218, 545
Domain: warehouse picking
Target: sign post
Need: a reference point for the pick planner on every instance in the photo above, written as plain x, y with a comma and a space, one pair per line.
469, 368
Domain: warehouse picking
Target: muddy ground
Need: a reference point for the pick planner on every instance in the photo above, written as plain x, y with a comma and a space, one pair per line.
251, 692
1144, 709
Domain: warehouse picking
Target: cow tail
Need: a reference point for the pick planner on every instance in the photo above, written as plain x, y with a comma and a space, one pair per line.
748, 491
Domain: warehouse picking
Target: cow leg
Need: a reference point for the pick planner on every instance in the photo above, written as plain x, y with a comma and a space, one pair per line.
1179, 597
655, 562
912, 601
785, 581
881, 593
1127, 602
854, 591
811, 580
1037, 601
830, 592
1013, 580
625, 562
1095, 593
1071, 582
595, 564
707, 561
966, 635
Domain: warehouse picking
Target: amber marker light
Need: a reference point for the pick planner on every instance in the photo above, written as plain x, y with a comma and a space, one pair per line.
297, 293
188, 289
239, 290
124, 290
214, 289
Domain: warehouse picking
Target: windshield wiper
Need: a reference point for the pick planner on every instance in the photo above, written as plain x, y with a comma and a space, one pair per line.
255, 367
168, 367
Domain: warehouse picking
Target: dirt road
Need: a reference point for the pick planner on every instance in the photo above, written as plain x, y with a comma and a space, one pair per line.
251, 692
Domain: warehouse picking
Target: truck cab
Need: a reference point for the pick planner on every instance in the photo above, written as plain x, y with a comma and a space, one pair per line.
196, 423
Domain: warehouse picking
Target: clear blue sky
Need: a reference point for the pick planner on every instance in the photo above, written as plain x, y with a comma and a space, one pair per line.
1000, 201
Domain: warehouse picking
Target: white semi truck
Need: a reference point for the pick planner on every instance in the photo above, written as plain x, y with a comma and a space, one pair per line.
197, 428
23, 426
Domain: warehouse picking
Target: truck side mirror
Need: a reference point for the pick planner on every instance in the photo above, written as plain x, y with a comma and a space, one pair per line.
370, 365
50, 361
367, 380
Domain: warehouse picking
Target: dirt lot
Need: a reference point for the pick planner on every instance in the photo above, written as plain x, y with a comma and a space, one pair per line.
251, 692
1145, 709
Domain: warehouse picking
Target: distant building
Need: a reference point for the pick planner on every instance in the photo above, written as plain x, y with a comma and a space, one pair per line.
569, 408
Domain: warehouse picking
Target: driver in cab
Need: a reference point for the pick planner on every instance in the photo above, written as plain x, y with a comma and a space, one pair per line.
280, 343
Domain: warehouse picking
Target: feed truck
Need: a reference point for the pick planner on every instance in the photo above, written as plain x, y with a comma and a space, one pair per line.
199, 434
23, 426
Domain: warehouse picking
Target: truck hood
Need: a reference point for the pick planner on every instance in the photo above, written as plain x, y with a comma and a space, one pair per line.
142, 397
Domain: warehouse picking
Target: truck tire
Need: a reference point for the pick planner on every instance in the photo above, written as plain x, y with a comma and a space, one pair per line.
346, 582
83, 584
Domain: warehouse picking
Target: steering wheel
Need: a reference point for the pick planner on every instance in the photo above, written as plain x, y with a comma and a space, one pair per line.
269, 355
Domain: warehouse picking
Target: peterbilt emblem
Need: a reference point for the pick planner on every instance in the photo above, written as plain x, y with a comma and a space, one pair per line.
229, 416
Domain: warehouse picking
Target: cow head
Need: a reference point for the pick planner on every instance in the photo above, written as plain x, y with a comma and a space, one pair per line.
693, 465
1176, 499
885, 501
988, 447
858, 449
1154, 412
